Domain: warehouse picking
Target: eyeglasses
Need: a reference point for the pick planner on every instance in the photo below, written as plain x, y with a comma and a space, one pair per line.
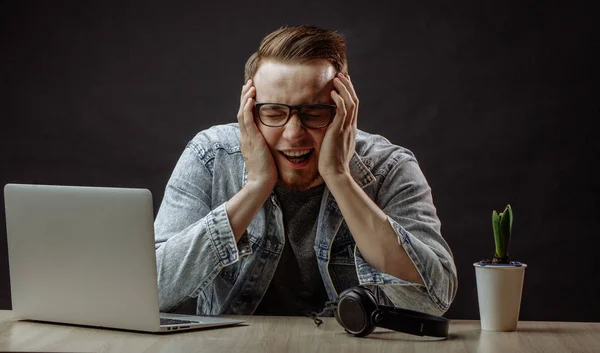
314, 116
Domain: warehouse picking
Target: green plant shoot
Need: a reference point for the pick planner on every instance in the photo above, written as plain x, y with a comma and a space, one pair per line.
502, 224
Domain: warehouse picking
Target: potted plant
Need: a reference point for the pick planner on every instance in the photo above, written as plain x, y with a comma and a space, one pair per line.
500, 281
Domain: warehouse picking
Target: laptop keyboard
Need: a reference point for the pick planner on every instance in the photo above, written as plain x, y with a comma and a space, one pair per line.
165, 321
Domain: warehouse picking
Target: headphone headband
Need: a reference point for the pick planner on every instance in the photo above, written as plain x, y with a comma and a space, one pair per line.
411, 322
359, 313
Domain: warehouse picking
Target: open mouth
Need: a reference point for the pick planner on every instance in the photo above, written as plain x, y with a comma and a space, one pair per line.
298, 157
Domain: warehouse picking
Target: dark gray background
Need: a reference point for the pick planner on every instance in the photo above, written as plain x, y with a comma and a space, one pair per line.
495, 98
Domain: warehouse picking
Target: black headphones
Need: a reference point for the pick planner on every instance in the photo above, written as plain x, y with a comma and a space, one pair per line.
358, 313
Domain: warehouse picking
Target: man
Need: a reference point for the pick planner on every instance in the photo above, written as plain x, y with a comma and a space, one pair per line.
279, 213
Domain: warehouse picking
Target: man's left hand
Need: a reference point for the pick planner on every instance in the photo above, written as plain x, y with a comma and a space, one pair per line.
339, 141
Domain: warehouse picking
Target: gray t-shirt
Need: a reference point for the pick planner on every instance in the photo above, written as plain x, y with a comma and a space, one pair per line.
297, 287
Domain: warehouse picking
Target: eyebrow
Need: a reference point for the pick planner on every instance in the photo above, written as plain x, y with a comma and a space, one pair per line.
273, 107
329, 104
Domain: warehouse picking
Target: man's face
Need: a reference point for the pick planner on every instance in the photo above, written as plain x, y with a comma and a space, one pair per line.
295, 148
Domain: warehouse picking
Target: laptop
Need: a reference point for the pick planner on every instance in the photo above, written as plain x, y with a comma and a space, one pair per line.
86, 256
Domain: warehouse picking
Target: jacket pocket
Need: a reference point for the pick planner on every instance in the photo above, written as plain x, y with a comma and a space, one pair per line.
341, 267
229, 274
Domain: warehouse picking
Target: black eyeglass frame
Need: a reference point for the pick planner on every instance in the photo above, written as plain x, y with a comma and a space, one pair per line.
291, 109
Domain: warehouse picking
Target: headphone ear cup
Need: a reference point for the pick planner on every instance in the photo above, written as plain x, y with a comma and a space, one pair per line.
355, 308
343, 295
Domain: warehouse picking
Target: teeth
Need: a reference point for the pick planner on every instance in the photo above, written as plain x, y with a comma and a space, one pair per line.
296, 153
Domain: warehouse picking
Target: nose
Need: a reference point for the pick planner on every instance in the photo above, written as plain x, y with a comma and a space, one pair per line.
294, 129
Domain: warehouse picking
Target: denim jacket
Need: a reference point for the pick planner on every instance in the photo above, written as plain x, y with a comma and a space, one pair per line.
197, 255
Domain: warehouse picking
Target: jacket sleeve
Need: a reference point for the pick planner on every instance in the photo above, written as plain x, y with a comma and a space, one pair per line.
193, 238
405, 197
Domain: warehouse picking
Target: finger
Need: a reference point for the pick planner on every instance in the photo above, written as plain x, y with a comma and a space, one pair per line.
348, 83
341, 84
248, 118
245, 89
348, 101
249, 96
242, 120
346, 80
246, 110
340, 112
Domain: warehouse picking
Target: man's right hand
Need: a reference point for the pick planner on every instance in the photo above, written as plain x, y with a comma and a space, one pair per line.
262, 172
257, 156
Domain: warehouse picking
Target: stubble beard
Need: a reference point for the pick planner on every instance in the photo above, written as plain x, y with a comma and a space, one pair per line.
298, 179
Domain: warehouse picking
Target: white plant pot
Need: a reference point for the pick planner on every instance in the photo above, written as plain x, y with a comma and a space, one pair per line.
499, 289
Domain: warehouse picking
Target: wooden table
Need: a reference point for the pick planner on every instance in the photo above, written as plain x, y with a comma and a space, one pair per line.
297, 334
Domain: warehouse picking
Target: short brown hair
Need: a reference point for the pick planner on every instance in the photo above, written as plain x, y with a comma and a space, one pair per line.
298, 45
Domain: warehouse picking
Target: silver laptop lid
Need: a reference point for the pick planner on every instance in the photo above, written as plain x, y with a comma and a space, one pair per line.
82, 255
